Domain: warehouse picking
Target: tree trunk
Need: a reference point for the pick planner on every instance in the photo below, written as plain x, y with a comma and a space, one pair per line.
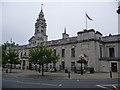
42, 69
14, 66
39, 68
35, 67
11, 68
46, 67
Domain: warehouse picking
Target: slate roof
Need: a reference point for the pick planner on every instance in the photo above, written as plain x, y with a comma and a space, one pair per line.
70, 40
62, 41
111, 38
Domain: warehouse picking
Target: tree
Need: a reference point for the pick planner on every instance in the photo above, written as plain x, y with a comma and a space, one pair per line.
4, 47
12, 58
9, 55
34, 57
42, 55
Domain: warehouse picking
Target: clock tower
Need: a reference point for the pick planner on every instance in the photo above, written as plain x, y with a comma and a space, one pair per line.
40, 30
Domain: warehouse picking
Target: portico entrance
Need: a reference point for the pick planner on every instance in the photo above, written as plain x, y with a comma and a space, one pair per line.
24, 64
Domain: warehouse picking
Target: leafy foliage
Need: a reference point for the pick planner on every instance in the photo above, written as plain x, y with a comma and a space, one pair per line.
4, 47
9, 55
12, 56
42, 55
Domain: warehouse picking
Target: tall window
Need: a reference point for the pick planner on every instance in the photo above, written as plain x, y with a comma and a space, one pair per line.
100, 52
55, 52
72, 64
63, 52
72, 52
25, 53
111, 52
21, 54
63, 65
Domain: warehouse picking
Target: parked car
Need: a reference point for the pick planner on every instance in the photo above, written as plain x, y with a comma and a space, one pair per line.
18, 66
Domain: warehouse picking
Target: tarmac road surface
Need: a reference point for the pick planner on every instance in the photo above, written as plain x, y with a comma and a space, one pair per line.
9, 81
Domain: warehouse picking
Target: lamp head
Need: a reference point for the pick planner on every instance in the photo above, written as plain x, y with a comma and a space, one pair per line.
81, 55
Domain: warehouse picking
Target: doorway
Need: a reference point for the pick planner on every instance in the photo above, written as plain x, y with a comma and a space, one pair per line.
114, 67
63, 65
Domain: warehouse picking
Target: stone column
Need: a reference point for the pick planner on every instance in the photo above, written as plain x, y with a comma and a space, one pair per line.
26, 64
21, 64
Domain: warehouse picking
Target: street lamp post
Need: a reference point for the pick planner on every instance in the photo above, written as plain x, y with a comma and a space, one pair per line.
8, 63
81, 61
81, 67
39, 65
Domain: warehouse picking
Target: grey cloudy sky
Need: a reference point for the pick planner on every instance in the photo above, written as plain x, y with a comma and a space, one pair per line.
18, 18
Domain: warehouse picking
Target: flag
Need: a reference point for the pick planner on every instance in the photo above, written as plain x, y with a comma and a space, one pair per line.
88, 17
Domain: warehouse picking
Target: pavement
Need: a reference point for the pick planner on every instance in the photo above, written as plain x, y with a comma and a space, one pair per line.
59, 75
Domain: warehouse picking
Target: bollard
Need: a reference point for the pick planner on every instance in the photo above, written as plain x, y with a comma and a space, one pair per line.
39, 70
82, 72
110, 74
69, 74
6, 70
66, 71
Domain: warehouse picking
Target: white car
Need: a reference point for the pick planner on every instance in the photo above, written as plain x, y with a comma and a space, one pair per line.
18, 66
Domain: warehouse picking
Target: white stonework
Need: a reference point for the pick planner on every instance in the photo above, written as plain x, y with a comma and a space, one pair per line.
90, 43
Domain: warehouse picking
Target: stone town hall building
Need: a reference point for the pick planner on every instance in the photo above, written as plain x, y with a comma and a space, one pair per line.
100, 52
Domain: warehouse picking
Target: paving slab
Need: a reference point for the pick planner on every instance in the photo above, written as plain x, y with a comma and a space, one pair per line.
60, 75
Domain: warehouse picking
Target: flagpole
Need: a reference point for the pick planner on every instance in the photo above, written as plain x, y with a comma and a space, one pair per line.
86, 20
86, 23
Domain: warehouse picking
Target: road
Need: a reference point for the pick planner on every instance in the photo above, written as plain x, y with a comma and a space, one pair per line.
22, 82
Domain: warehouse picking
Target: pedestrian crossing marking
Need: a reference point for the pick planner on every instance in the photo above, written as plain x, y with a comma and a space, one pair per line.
107, 86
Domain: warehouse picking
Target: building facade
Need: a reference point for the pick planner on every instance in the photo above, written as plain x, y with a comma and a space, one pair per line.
100, 53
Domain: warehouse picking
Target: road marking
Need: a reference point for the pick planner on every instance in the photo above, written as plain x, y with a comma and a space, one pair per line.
33, 83
8, 80
60, 85
107, 86
102, 86
115, 87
